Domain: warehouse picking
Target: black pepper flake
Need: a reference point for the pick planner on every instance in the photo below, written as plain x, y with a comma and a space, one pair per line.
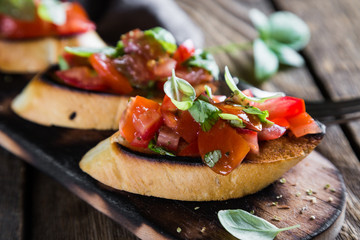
72, 116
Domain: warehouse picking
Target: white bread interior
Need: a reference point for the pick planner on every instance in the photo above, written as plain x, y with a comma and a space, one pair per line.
35, 55
48, 103
142, 174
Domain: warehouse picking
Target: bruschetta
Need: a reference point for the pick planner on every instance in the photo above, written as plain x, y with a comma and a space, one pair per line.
32, 45
91, 86
203, 148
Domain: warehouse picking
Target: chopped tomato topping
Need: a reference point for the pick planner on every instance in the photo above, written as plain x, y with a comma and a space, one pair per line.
184, 51
77, 22
303, 124
281, 122
251, 137
168, 139
190, 150
168, 110
141, 121
283, 107
232, 145
218, 98
82, 77
271, 132
107, 71
187, 127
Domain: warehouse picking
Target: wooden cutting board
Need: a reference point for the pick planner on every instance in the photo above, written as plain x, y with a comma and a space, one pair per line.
57, 151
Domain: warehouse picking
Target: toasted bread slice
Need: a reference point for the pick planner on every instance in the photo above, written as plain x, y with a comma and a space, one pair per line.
47, 102
35, 55
188, 179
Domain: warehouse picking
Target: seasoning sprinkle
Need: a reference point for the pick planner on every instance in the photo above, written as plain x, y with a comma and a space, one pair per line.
333, 190
326, 186
298, 194
196, 208
276, 218
312, 217
278, 197
303, 209
252, 212
178, 229
283, 207
203, 229
330, 199
274, 203
282, 180
309, 192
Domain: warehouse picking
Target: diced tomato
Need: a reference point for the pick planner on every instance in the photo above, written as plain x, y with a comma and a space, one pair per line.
218, 98
163, 68
272, 132
82, 77
281, 122
187, 127
194, 75
190, 150
77, 22
168, 110
168, 139
184, 51
247, 92
75, 61
141, 120
252, 122
303, 124
283, 107
107, 71
251, 137
167, 105
232, 145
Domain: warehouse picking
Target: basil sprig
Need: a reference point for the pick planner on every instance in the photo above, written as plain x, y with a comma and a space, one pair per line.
88, 51
280, 37
204, 113
204, 59
19, 9
262, 115
246, 226
52, 11
164, 37
233, 119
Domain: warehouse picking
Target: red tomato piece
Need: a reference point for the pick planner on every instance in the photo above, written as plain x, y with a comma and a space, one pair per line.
218, 98
251, 137
75, 61
232, 145
303, 124
281, 122
107, 71
168, 110
187, 127
141, 121
168, 139
184, 51
83, 78
189, 150
272, 132
283, 107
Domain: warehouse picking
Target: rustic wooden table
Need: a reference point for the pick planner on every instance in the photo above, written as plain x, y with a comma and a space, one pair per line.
34, 206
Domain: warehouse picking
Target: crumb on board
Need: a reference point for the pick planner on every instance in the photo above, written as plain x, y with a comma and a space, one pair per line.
178, 229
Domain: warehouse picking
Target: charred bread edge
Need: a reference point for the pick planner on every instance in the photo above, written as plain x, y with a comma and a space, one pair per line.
159, 176
47, 102
34, 55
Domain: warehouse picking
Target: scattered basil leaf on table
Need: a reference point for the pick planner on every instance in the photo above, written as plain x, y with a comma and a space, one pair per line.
286, 55
52, 11
266, 61
260, 22
164, 37
246, 226
19, 9
211, 158
88, 51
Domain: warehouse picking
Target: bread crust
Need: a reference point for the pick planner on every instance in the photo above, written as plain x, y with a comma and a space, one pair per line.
189, 179
35, 55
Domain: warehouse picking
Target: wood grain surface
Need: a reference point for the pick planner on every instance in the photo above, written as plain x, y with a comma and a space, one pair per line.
332, 72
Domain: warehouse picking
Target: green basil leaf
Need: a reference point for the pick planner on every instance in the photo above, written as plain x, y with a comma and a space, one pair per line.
18, 9
211, 158
88, 51
159, 150
266, 62
52, 11
63, 65
164, 37
120, 48
289, 29
204, 113
232, 85
205, 60
233, 119
262, 115
208, 91
180, 91
286, 55
260, 22
246, 226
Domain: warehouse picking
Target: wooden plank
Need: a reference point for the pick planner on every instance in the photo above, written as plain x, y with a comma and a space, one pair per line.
333, 52
57, 213
296, 82
12, 176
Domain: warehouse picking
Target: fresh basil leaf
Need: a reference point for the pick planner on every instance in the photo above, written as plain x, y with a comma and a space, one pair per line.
18, 9
208, 91
246, 226
260, 22
286, 55
153, 147
120, 48
205, 60
262, 115
211, 158
164, 37
204, 113
63, 65
234, 120
289, 29
232, 85
52, 11
180, 91
266, 62
87, 51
